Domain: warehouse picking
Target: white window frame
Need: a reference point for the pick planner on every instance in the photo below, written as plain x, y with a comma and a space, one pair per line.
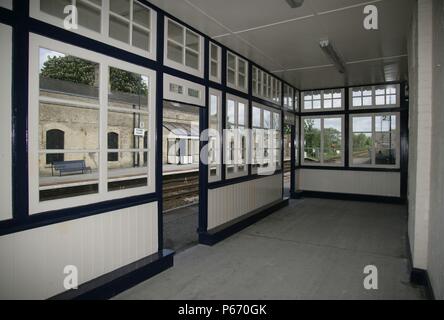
321, 155
236, 173
373, 159
6, 120
373, 97
218, 62
218, 94
236, 85
35, 206
296, 100
104, 27
181, 66
6, 4
266, 86
322, 99
272, 111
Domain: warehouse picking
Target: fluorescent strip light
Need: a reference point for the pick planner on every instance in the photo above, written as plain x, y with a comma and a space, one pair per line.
328, 49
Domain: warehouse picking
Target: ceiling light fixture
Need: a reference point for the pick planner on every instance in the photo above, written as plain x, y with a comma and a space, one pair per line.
295, 3
328, 49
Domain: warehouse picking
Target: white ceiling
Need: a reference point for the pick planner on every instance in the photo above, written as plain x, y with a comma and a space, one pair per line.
286, 40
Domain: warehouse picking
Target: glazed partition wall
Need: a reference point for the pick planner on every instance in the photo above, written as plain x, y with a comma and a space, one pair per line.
81, 170
354, 143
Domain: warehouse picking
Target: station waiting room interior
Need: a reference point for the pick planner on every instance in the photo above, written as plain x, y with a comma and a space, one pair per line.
203, 149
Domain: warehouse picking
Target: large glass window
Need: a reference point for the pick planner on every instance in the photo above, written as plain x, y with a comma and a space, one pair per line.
375, 140
75, 110
235, 137
215, 136
323, 142
237, 72
127, 24
288, 97
183, 47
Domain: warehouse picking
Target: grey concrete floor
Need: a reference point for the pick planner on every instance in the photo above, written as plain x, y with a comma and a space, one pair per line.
180, 228
313, 249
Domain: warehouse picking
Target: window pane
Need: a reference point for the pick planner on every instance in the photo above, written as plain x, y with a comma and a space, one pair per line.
231, 113
191, 59
362, 140
256, 117
231, 78
89, 16
119, 29
312, 140
267, 119
175, 32
242, 67
141, 15
128, 90
231, 61
332, 140
131, 171
385, 140
54, 7
130, 127
241, 112
141, 38
68, 77
214, 69
73, 174
120, 7
241, 81
380, 100
214, 52
175, 52
192, 41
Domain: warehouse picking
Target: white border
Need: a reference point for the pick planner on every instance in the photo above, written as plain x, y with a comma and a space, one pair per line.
322, 109
35, 206
217, 79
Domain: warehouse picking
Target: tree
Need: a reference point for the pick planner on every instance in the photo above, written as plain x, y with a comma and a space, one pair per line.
69, 68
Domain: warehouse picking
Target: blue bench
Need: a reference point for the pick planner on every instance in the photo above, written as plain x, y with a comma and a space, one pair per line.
71, 167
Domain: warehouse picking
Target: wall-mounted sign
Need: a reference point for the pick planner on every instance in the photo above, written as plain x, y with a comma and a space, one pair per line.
139, 132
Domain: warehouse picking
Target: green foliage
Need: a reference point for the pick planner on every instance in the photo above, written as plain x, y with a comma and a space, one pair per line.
69, 68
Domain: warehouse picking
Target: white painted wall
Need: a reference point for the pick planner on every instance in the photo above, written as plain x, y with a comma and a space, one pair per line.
350, 182
32, 261
5, 118
420, 131
228, 203
436, 230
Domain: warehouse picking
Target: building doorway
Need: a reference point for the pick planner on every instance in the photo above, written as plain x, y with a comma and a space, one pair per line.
180, 159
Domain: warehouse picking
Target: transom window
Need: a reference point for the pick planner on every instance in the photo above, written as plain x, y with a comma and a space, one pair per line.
375, 96
323, 141
215, 62
235, 137
74, 110
265, 86
237, 72
127, 24
130, 22
183, 48
374, 140
323, 100
288, 97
